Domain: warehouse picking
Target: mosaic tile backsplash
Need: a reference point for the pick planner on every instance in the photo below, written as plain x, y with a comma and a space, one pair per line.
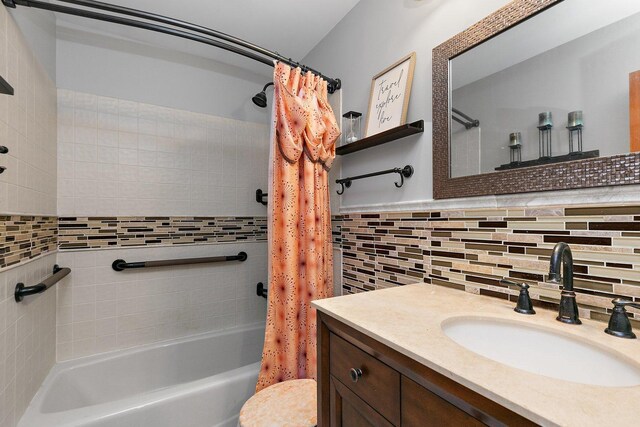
25, 237
471, 250
104, 232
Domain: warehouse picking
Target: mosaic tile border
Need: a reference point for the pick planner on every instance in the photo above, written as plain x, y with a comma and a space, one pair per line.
24, 237
107, 232
471, 250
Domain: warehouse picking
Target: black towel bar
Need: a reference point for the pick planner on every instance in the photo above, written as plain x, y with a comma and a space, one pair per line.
405, 172
23, 291
120, 264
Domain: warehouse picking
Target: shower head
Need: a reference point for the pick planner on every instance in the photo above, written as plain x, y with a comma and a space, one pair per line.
260, 99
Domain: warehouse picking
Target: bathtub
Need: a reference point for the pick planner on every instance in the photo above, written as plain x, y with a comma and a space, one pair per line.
198, 381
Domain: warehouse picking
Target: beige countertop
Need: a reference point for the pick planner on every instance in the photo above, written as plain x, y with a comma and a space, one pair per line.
408, 319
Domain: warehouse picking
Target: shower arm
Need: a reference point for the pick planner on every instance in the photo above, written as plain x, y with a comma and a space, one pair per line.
333, 84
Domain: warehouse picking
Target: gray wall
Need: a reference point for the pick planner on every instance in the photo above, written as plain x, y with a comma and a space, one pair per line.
39, 30
108, 66
590, 73
374, 35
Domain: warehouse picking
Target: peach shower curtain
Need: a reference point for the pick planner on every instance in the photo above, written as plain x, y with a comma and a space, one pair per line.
300, 253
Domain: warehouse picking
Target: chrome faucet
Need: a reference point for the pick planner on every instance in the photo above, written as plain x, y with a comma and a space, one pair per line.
568, 307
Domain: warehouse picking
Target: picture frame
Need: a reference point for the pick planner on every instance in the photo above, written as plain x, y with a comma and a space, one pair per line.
389, 97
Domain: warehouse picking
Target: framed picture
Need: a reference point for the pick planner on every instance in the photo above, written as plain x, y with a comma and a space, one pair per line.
389, 99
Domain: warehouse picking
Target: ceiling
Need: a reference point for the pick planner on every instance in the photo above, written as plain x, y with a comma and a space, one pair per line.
290, 27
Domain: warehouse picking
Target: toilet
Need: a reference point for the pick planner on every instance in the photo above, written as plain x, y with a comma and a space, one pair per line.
290, 403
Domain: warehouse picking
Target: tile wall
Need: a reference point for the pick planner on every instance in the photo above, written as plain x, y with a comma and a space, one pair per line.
27, 222
105, 232
144, 182
118, 157
27, 128
102, 310
27, 337
24, 237
471, 250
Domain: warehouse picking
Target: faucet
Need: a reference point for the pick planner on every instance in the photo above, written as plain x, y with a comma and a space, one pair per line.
568, 307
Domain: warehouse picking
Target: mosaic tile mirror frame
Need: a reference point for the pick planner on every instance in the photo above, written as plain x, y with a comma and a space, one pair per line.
590, 172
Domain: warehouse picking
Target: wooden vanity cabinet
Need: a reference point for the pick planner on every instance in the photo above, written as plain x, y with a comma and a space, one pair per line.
362, 382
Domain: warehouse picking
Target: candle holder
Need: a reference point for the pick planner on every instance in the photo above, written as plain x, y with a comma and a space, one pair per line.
575, 123
545, 124
515, 147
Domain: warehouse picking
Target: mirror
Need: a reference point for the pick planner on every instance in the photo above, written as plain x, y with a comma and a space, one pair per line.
536, 91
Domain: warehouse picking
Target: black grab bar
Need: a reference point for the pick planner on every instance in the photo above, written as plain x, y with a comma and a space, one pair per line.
120, 264
23, 291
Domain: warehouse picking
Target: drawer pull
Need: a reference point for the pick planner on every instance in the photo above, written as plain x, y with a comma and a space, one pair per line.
356, 374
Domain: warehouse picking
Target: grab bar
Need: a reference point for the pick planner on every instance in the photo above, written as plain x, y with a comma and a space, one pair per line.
260, 197
261, 291
23, 291
120, 264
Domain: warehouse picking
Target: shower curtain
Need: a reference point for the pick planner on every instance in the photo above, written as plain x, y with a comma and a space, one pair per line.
300, 254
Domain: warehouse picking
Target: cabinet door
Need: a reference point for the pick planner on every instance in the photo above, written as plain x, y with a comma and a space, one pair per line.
348, 410
422, 408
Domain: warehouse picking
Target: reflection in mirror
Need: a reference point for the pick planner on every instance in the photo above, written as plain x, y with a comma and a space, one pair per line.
554, 88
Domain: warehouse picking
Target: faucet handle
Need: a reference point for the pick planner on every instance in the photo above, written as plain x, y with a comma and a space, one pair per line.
619, 324
524, 305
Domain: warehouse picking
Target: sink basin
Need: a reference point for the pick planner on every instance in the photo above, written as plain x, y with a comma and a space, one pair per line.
543, 351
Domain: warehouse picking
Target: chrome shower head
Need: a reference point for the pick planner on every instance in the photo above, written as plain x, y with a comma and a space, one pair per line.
260, 99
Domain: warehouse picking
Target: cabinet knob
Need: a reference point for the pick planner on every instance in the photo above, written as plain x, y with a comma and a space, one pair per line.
356, 374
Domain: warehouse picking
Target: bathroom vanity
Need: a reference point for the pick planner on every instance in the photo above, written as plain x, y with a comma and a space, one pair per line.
392, 358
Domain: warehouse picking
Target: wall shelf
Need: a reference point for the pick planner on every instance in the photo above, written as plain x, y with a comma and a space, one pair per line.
382, 137
549, 160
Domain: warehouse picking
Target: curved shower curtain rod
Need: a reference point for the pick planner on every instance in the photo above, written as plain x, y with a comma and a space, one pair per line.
333, 84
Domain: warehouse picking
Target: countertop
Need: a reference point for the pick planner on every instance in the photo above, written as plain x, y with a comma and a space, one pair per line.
408, 319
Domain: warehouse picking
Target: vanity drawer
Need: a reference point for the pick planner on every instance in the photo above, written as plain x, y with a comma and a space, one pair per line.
371, 380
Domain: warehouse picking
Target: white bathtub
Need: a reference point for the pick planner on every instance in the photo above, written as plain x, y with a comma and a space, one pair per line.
197, 381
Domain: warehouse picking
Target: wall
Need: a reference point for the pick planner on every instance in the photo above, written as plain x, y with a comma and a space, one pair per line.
39, 30
371, 37
590, 73
120, 157
108, 66
27, 221
142, 182
393, 237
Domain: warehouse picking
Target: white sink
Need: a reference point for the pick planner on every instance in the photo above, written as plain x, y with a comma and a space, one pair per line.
542, 351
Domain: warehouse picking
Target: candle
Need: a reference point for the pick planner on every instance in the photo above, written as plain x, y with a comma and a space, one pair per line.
575, 119
515, 139
545, 119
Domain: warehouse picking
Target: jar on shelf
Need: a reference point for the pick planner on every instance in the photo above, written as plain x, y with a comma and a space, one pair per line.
351, 122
